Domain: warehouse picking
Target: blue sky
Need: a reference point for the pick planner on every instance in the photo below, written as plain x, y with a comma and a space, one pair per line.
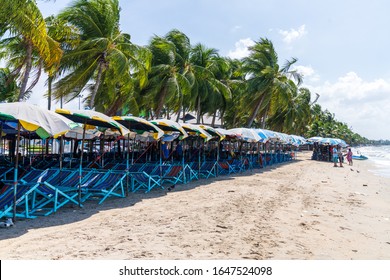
342, 46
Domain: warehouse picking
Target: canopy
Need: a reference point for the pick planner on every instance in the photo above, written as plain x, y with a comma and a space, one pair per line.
33, 118
314, 139
213, 132
196, 129
93, 118
226, 133
77, 133
333, 142
140, 126
296, 140
271, 135
283, 137
262, 134
169, 126
246, 134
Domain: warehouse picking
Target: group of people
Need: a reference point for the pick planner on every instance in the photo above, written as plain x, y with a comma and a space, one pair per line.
338, 156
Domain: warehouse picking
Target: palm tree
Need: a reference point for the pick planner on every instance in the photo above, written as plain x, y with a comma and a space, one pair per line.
204, 64
236, 112
27, 35
265, 78
167, 81
65, 36
104, 55
8, 87
291, 115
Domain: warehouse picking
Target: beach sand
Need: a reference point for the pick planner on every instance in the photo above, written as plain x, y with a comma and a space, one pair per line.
299, 210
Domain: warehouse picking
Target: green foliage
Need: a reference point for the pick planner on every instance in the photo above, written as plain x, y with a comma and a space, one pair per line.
170, 75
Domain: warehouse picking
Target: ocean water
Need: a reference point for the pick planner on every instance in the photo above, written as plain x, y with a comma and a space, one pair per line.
379, 156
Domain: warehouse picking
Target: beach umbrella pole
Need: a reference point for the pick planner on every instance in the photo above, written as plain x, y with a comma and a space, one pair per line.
127, 164
81, 165
16, 172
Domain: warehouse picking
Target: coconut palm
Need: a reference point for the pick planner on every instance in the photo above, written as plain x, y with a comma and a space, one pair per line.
104, 57
28, 46
266, 78
291, 115
167, 81
204, 64
8, 87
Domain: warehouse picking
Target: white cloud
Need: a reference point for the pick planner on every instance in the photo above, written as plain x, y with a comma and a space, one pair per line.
363, 105
308, 73
291, 35
241, 49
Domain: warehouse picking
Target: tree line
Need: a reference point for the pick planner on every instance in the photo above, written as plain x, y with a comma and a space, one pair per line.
83, 51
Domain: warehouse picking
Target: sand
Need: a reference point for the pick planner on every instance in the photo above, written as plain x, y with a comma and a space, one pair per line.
299, 210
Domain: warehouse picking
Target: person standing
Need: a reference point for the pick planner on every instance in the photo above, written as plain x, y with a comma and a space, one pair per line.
341, 158
335, 156
349, 156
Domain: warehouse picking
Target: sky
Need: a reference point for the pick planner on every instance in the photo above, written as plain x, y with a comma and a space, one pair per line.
342, 46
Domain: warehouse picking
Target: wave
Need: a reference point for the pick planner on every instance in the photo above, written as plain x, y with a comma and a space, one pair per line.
379, 156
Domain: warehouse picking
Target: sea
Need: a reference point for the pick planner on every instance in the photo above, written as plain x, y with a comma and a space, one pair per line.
379, 156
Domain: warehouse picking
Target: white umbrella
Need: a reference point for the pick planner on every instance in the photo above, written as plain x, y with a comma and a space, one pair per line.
246, 134
32, 118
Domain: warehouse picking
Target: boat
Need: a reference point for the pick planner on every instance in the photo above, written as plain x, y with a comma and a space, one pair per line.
359, 157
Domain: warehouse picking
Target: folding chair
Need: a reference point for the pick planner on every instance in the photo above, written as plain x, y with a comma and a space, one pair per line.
208, 169
142, 180
224, 168
191, 171
7, 201
110, 184
174, 175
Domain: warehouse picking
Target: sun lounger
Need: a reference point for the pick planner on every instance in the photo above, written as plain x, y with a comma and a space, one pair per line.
142, 180
109, 184
174, 175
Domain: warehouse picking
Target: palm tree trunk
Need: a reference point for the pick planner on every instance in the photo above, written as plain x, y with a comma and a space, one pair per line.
161, 101
198, 111
26, 72
254, 113
214, 117
49, 88
178, 115
97, 85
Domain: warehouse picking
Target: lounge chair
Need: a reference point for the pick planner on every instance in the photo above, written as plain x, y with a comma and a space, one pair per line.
142, 180
174, 175
7, 201
208, 169
110, 184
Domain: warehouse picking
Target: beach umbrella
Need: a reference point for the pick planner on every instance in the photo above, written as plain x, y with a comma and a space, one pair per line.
246, 134
143, 129
262, 134
91, 119
30, 117
169, 126
193, 129
272, 135
329, 141
213, 131
314, 139
226, 133
296, 140
77, 133
283, 137
140, 126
